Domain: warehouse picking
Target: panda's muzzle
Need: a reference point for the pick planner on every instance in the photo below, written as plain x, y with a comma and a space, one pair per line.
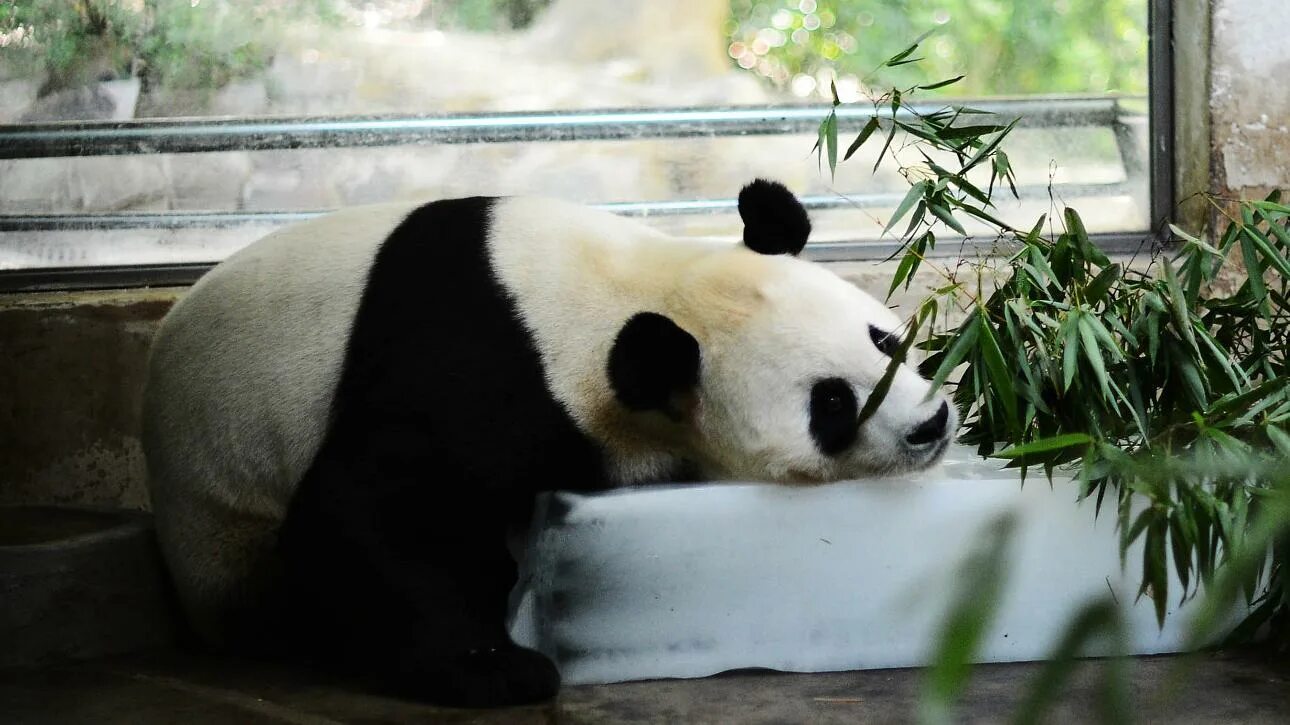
930, 430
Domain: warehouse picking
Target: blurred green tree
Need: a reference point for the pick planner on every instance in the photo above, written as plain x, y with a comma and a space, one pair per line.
1005, 47
199, 44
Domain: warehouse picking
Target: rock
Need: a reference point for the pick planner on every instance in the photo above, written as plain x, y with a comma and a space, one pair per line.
78, 583
241, 98
120, 183
36, 185
207, 181
105, 101
16, 98
283, 180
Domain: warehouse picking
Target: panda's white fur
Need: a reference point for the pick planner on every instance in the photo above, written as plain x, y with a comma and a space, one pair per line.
767, 325
241, 378
245, 371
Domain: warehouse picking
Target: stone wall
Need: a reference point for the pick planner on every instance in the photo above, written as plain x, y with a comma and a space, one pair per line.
1250, 97
72, 368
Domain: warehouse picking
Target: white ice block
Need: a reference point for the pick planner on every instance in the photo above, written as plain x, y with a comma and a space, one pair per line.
689, 581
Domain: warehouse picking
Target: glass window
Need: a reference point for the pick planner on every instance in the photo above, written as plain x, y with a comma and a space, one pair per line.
151, 132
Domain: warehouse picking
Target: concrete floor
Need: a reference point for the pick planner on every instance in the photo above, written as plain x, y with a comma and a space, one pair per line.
175, 688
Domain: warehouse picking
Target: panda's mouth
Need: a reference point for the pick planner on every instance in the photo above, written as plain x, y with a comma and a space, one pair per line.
923, 460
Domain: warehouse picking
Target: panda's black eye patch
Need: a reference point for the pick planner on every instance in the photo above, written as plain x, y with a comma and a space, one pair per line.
834, 413
886, 342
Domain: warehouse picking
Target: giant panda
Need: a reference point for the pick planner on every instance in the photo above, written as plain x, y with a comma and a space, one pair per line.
343, 420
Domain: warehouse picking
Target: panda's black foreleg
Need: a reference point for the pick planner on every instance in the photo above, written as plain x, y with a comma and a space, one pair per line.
406, 584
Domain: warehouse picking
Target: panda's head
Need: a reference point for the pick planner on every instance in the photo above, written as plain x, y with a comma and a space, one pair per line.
763, 362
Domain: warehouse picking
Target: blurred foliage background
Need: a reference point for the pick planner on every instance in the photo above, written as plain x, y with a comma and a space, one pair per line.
176, 43
1004, 47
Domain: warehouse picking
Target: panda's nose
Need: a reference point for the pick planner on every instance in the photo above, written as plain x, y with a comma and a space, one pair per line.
932, 429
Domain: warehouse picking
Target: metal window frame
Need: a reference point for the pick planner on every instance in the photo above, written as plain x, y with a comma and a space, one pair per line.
212, 135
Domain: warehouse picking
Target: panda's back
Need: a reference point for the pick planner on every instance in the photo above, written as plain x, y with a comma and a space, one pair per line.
270, 319
242, 375
321, 340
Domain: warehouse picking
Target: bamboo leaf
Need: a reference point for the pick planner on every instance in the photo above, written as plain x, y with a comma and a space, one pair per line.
981, 214
895, 59
1070, 341
890, 135
819, 140
968, 620
1032, 236
1005, 167
831, 141
1178, 307
1153, 336
1130, 534
1098, 619
870, 126
1198, 243
1075, 225
944, 215
1265, 248
968, 188
1155, 568
916, 218
1101, 284
1000, 377
1193, 383
1044, 445
1235, 404
1180, 545
958, 352
914, 194
1103, 335
1254, 268
986, 150
1266, 206
919, 132
880, 390
1093, 354
942, 84
904, 272
1036, 258
1280, 439
970, 131
1219, 356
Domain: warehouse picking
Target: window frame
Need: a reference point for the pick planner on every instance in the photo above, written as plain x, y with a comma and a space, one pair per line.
102, 138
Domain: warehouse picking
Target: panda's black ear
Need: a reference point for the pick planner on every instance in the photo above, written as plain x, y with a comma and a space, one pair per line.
652, 360
775, 222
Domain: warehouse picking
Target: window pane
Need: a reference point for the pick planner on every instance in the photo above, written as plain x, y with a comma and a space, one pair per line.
102, 60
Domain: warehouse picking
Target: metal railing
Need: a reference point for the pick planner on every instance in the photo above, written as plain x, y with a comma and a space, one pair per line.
168, 136
71, 139
639, 209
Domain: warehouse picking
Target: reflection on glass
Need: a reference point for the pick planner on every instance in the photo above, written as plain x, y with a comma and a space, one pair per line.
95, 60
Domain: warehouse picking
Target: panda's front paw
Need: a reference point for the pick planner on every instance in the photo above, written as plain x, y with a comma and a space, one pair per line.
494, 677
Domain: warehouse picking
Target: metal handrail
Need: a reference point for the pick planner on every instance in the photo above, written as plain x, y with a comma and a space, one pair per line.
43, 279
214, 135
641, 209
103, 138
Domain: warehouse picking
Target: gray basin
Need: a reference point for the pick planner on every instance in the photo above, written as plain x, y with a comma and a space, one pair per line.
79, 582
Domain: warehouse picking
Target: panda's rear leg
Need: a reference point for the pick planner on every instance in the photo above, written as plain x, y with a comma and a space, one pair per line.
406, 586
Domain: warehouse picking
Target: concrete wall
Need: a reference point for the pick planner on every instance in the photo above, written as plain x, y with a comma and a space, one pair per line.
71, 371
1250, 97
72, 365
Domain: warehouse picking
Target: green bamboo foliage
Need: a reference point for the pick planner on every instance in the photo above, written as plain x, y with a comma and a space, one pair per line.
1149, 376
1146, 376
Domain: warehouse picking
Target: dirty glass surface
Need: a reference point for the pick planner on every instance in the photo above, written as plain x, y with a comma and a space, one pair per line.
1075, 69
